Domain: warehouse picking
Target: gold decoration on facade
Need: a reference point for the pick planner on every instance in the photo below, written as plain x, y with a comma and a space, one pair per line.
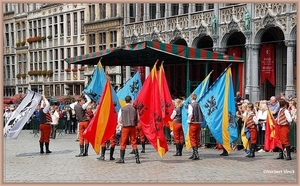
75, 76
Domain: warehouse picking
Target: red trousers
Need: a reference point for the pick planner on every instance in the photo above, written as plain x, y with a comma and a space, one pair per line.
112, 141
82, 126
45, 132
139, 131
194, 133
128, 132
178, 133
253, 135
284, 131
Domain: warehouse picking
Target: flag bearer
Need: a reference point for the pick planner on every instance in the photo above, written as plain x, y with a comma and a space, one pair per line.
177, 127
45, 128
251, 123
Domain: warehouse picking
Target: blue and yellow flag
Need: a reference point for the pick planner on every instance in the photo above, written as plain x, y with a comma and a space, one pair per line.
95, 88
131, 88
218, 108
199, 91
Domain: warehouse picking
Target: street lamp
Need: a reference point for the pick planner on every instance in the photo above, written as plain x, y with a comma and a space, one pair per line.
67, 89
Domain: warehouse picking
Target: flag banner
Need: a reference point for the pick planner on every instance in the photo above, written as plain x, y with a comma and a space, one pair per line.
218, 108
95, 88
131, 88
166, 101
199, 91
104, 123
267, 64
150, 113
245, 135
21, 115
272, 133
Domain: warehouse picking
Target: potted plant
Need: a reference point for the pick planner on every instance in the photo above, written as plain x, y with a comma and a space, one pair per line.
22, 43
18, 44
74, 70
49, 72
19, 75
49, 37
81, 69
68, 70
44, 72
24, 76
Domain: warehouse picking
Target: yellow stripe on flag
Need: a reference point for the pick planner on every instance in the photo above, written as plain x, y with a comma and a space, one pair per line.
225, 120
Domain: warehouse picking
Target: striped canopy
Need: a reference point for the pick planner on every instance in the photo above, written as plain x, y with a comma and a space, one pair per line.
147, 52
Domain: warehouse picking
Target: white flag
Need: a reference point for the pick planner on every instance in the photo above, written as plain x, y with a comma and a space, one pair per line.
21, 115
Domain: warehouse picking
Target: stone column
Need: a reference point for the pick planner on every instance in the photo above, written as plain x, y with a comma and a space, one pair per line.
247, 67
97, 11
137, 12
107, 39
254, 92
180, 9
290, 88
108, 10
128, 73
157, 11
97, 41
119, 10
87, 13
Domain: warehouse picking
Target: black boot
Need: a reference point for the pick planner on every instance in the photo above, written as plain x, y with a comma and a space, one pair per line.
143, 147
224, 153
41, 147
137, 158
252, 151
280, 155
102, 156
122, 154
288, 153
132, 152
81, 151
180, 149
47, 147
111, 153
196, 157
192, 157
177, 149
86, 150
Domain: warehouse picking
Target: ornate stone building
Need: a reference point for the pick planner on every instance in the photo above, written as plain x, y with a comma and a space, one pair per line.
263, 34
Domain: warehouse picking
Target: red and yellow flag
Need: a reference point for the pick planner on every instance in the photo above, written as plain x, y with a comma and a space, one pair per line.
165, 98
271, 134
104, 123
150, 113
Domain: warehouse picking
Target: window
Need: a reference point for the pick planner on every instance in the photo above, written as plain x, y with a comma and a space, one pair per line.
185, 8
82, 50
92, 39
68, 52
174, 9
113, 7
61, 53
102, 10
113, 39
68, 25
152, 7
7, 39
75, 23
199, 7
102, 41
210, 6
82, 21
75, 51
6, 28
162, 10
92, 12
55, 54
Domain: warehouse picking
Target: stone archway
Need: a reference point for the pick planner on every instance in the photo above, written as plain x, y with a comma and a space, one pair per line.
273, 37
178, 41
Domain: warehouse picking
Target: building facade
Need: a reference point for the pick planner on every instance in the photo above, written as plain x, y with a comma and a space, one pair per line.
263, 34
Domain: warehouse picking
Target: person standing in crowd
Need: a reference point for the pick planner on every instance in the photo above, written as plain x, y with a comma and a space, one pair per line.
251, 122
74, 122
274, 107
177, 127
45, 128
283, 120
238, 98
67, 119
80, 108
128, 118
55, 117
262, 114
194, 120
293, 110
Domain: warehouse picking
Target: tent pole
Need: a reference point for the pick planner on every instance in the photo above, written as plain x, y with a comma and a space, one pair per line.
188, 87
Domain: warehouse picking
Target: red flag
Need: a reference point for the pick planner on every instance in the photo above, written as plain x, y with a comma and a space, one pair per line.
272, 132
150, 113
104, 123
165, 97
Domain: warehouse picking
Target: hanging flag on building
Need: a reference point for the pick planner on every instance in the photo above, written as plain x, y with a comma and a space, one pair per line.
218, 108
150, 113
131, 88
104, 123
267, 64
21, 115
95, 88
199, 91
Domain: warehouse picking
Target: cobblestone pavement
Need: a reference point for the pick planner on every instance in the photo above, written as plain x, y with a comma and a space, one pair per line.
22, 163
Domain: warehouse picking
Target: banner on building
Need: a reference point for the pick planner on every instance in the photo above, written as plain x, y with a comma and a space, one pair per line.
267, 67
